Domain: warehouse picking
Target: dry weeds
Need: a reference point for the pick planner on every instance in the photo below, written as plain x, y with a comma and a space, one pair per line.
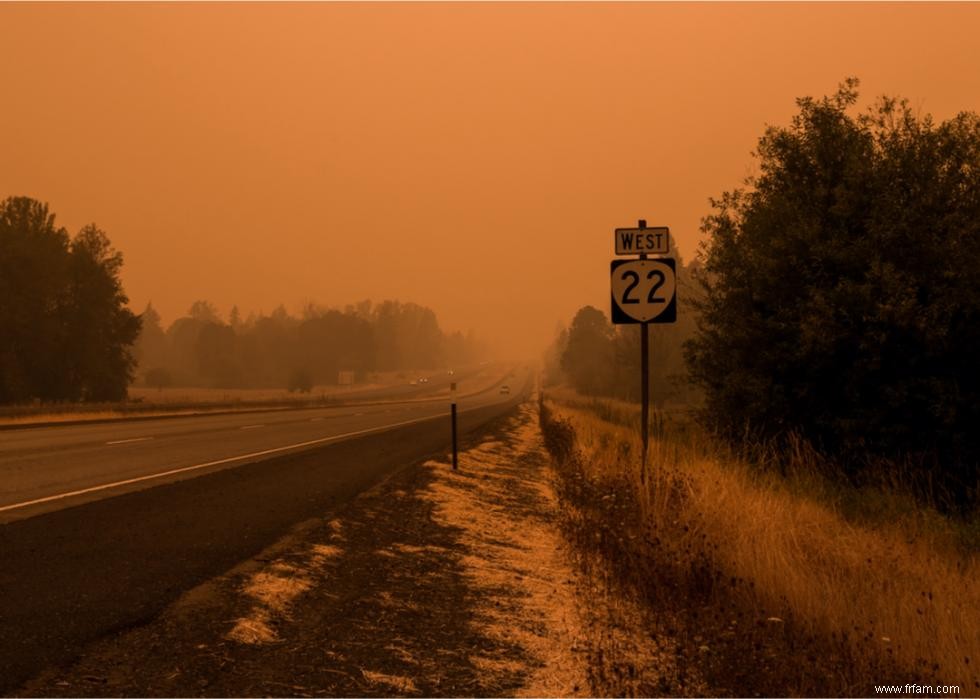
515, 559
891, 598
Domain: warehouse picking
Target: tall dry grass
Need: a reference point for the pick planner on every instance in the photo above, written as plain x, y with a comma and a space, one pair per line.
899, 592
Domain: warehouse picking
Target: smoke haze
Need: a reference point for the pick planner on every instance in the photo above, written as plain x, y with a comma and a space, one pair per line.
472, 158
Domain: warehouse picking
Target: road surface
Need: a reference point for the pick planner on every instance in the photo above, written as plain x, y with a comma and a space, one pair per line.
106, 524
45, 469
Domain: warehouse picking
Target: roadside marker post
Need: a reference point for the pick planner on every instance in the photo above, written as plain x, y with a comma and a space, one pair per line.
452, 393
644, 291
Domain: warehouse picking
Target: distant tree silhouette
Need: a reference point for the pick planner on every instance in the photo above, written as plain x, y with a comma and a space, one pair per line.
588, 356
216, 355
151, 347
158, 378
551, 366
65, 333
263, 351
235, 320
204, 311
842, 289
407, 336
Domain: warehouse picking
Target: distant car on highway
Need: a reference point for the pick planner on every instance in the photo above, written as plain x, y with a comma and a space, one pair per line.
504, 390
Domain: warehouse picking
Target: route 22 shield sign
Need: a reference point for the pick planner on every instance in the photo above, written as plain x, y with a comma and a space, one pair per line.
644, 291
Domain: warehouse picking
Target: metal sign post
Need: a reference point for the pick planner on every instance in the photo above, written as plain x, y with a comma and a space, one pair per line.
452, 393
644, 291
644, 381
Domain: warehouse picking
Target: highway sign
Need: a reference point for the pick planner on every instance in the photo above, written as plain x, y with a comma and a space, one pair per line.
640, 241
644, 291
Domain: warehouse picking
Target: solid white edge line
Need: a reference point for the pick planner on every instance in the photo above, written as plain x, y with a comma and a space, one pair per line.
195, 467
250, 427
128, 441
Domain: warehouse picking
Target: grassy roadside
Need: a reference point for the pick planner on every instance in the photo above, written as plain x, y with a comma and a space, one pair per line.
778, 588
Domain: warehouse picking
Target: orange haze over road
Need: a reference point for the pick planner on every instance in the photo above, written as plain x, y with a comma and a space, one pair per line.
474, 158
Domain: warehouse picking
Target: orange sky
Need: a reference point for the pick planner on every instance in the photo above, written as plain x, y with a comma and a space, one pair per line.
470, 157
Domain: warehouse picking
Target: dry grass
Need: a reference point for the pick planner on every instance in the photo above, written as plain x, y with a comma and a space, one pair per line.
898, 593
275, 588
501, 504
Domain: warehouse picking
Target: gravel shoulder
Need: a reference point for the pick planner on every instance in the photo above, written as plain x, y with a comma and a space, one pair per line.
433, 583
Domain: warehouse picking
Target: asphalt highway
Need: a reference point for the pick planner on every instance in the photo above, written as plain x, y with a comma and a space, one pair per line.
44, 469
102, 526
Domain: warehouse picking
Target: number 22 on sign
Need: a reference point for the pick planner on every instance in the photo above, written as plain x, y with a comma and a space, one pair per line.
644, 291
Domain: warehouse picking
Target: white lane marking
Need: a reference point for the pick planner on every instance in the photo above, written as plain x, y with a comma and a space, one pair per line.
195, 467
358, 414
129, 441
251, 427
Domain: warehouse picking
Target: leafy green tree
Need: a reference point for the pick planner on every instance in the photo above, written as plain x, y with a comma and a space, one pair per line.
842, 289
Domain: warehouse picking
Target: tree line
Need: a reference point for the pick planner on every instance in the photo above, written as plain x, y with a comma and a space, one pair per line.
296, 352
66, 333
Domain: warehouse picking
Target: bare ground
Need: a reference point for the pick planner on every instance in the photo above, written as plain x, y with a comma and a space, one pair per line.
434, 583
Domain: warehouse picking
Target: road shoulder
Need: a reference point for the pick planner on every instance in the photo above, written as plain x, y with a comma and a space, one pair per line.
433, 583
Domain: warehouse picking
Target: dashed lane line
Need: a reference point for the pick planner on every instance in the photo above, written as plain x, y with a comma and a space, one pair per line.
218, 462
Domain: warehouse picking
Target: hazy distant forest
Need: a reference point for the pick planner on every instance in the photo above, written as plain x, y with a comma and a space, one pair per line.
281, 350
836, 300
67, 334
